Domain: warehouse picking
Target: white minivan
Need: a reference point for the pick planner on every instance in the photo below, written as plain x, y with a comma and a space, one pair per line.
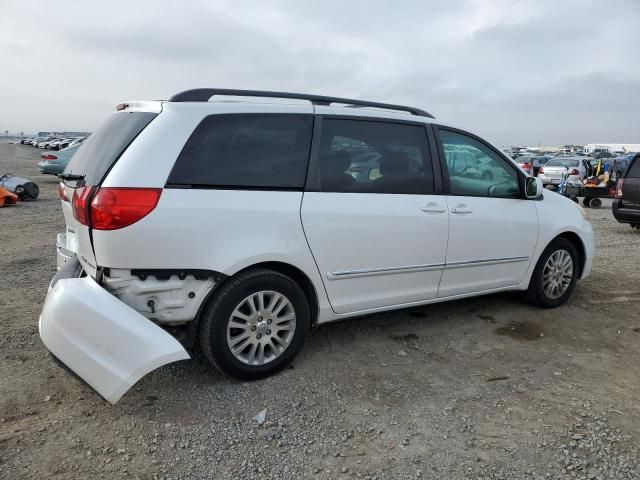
250, 221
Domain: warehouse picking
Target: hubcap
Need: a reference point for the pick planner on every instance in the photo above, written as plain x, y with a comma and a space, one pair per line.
557, 274
261, 327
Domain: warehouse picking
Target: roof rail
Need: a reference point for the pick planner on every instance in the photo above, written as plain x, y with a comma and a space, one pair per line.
204, 94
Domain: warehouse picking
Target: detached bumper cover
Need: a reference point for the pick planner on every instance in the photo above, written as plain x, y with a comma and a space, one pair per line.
105, 342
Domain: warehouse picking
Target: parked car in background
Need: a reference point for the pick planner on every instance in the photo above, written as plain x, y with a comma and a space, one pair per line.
60, 143
241, 222
34, 141
54, 163
577, 169
617, 166
77, 141
45, 142
626, 206
602, 154
532, 163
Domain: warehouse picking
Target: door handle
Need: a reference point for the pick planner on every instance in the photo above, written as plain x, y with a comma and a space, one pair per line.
461, 209
432, 207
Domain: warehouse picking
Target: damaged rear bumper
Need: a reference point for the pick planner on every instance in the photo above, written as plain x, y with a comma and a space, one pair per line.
105, 342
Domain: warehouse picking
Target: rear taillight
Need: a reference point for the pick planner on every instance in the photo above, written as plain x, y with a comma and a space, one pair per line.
80, 204
619, 188
48, 156
575, 171
113, 208
62, 194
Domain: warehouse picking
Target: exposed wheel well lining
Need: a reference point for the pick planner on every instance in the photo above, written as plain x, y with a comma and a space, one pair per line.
577, 242
289, 270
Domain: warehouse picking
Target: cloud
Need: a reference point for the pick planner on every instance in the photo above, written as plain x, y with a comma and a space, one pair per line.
518, 72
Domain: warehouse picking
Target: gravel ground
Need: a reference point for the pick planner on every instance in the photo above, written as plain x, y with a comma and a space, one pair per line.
485, 388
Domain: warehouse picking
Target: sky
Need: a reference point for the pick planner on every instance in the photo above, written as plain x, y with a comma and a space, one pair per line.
518, 72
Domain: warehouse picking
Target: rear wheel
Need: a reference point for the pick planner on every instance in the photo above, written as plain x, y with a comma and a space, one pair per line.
586, 201
255, 325
555, 275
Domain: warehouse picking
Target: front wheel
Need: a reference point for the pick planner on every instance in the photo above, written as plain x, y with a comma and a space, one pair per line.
255, 325
555, 275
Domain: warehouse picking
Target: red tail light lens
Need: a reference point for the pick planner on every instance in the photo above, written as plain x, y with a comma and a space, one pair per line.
80, 204
619, 188
62, 194
575, 171
48, 156
114, 208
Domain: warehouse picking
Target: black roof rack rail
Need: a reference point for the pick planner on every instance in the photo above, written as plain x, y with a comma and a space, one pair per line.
204, 94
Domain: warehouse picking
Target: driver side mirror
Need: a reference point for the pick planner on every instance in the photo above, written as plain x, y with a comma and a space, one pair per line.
533, 187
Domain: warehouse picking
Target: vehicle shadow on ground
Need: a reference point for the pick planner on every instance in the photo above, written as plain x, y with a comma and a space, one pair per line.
346, 337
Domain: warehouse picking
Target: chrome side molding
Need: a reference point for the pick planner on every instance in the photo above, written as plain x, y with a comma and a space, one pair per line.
421, 268
384, 271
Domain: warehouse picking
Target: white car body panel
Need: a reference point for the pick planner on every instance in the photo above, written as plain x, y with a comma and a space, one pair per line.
491, 241
559, 215
108, 344
376, 250
250, 227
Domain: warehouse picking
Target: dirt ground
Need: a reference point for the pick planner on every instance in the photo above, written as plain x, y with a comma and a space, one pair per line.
480, 388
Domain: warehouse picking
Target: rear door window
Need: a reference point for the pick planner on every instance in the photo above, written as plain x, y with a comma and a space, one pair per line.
246, 150
103, 148
374, 157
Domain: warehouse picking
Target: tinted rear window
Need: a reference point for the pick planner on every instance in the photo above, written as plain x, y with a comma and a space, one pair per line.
246, 150
101, 150
634, 169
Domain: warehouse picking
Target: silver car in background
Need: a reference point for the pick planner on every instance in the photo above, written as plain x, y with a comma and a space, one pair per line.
578, 168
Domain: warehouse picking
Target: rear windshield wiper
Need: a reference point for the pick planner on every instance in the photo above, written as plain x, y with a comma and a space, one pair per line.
71, 176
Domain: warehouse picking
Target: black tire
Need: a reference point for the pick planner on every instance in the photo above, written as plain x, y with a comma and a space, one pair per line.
217, 314
595, 203
586, 201
535, 294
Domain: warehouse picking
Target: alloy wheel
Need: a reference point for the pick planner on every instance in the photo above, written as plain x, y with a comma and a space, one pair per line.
557, 274
261, 327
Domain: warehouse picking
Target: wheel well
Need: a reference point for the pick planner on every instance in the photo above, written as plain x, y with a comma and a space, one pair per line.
300, 278
575, 239
290, 271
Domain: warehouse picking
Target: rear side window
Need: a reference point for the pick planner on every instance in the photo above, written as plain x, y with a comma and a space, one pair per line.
102, 149
374, 157
634, 169
246, 150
